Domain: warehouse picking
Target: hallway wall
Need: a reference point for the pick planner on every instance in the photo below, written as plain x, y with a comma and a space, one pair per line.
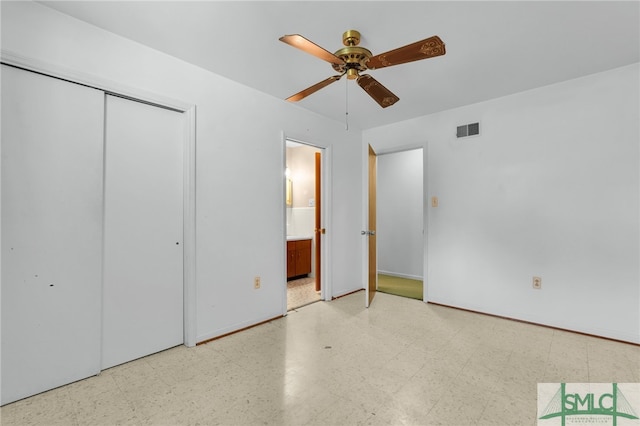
399, 214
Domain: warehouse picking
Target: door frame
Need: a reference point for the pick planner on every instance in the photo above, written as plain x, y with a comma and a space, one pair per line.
189, 166
426, 206
364, 252
326, 291
426, 196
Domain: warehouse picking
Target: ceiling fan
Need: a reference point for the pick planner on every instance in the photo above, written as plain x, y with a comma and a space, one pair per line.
353, 59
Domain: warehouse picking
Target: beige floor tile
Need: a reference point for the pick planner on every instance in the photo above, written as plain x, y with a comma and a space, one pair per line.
92, 387
386, 416
509, 409
110, 408
48, 408
342, 411
301, 292
400, 362
418, 397
460, 404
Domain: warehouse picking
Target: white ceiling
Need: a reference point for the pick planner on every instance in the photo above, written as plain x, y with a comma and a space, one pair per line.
493, 48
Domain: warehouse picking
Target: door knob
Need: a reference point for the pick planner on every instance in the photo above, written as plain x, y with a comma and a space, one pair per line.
367, 232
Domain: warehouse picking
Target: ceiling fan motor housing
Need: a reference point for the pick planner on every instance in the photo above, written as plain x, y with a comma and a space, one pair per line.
354, 57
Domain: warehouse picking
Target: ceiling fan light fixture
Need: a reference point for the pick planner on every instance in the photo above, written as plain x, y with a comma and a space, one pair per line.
353, 59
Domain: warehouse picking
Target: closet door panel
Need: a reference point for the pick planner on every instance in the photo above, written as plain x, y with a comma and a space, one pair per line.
143, 278
51, 227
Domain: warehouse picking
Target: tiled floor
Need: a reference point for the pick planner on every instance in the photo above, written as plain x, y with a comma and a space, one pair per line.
301, 292
336, 363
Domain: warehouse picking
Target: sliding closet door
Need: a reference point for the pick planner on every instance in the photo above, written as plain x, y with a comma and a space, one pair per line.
52, 143
143, 277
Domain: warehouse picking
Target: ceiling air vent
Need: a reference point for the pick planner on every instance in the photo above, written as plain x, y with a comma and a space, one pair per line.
468, 130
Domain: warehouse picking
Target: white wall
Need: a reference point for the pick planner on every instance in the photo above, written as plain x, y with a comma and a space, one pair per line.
399, 214
550, 188
239, 163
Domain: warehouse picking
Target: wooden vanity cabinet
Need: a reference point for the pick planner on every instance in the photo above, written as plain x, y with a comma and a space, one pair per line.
298, 258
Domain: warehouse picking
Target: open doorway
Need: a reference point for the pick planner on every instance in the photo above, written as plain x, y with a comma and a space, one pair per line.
303, 224
400, 223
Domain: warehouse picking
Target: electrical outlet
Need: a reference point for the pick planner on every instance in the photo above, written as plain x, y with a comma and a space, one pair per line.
256, 283
537, 283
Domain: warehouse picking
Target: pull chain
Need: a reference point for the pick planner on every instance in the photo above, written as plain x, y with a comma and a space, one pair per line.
346, 106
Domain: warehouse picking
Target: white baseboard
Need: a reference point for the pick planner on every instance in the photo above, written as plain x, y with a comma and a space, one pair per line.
400, 275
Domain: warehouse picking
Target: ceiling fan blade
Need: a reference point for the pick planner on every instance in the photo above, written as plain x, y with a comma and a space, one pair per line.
423, 49
310, 90
296, 40
377, 91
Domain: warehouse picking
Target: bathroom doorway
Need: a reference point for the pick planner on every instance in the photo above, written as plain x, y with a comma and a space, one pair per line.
304, 223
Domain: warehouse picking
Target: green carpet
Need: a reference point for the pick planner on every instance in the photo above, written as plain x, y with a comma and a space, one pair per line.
400, 286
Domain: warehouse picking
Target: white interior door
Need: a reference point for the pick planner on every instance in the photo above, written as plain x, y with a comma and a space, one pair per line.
52, 143
143, 261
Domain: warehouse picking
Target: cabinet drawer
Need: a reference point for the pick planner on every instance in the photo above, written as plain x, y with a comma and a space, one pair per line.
303, 244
